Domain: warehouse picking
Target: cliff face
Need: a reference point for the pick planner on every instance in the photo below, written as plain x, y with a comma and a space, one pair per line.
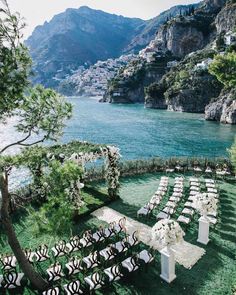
223, 109
180, 37
226, 19
198, 94
152, 26
129, 88
188, 87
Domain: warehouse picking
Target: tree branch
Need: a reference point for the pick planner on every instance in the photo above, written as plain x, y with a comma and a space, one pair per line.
16, 143
21, 142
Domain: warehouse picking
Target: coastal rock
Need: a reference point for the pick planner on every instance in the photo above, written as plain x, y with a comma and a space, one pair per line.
129, 85
223, 109
194, 98
154, 97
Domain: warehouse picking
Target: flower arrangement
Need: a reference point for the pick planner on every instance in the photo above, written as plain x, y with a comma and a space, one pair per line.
112, 155
168, 232
205, 204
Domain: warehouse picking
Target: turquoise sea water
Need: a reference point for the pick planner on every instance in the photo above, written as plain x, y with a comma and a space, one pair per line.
143, 133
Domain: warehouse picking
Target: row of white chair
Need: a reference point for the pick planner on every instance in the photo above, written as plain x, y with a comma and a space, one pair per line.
156, 198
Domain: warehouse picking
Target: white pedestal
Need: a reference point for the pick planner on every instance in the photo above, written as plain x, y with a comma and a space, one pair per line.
203, 230
167, 265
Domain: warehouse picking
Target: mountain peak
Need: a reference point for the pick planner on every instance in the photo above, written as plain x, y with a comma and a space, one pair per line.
85, 8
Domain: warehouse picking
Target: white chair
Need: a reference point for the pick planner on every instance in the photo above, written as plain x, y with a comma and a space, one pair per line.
188, 211
146, 210
92, 260
177, 194
108, 253
174, 199
195, 188
162, 215
87, 239
184, 219
178, 185
73, 288
145, 256
171, 204
52, 291
73, 245
211, 185
130, 264
193, 179
208, 170
74, 266
179, 178
178, 190
113, 273
29, 255
194, 183
169, 210
41, 254
197, 169
188, 204
59, 249
132, 239
109, 231
120, 246
8, 262
13, 280
94, 281
55, 272
170, 170
209, 180
193, 193
212, 190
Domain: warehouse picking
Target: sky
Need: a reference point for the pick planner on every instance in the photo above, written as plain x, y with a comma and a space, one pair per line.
36, 12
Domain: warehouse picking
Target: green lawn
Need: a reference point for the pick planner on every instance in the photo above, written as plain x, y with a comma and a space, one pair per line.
215, 272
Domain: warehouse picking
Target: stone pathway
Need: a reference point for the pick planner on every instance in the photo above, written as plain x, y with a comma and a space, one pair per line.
186, 254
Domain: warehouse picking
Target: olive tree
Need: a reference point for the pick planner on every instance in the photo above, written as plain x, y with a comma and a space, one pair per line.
40, 115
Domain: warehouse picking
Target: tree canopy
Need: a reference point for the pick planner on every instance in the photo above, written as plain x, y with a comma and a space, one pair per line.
40, 113
224, 68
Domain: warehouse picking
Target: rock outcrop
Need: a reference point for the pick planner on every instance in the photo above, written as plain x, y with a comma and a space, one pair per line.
188, 87
226, 19
181, 38
223, 109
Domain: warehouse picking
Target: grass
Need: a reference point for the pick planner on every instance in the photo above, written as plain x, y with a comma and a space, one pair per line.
215, 272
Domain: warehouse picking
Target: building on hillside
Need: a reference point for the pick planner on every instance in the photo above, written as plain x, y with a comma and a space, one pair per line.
230, 38
172, 63
204, 65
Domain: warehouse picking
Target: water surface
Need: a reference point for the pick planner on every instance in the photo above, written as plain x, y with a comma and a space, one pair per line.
143, 133
139, 132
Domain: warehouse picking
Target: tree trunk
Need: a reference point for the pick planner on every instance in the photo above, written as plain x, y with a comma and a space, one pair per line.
35, 278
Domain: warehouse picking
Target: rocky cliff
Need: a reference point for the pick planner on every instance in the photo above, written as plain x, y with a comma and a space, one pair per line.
223, 109
152, 26
185, 33
187, 87
193, 40
226, 19
128, 86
